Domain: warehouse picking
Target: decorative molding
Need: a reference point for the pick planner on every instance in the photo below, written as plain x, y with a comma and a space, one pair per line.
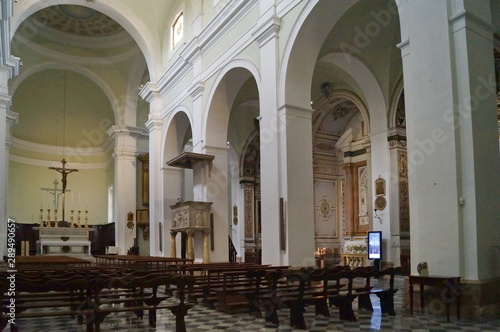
124, 129
325, 208
404, 46
267, 31
363, 196
149, 92
196, 90
54, 150
249, 219
354, 153
218, 27
51, 163
154, 123
465, 18
404, 200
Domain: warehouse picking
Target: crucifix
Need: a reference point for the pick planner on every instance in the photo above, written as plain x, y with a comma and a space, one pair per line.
64, 172
54, 192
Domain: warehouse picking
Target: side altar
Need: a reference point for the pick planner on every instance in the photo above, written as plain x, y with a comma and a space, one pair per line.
63, 241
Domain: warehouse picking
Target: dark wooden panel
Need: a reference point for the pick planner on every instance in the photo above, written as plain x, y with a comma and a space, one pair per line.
101, 237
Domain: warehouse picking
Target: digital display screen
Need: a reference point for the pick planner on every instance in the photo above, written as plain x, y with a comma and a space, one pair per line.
375, 245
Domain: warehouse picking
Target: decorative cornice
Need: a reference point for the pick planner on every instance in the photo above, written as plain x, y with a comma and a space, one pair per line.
267, 31
149, 92
404, 46
12, 117
465, 18
354, 153
218, 27
125, 154
123, 129
54, 150
154, 123
196, 90
296, 111
49, 163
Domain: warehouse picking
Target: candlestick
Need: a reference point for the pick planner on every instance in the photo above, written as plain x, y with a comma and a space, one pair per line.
41, 218
79, 217
86, 218
71, 219
48, 218
55, 218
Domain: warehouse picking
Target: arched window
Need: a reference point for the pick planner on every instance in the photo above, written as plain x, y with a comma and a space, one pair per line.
177, 29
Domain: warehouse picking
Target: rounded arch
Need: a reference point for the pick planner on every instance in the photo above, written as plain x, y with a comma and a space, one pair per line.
114, 101
221, 97
178, 121
118, 11
352, 97
395, 102
376, 114
306, 39
250, 157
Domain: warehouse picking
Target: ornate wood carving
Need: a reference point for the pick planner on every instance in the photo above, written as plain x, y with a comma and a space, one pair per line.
248, 194
404, 202
363, 196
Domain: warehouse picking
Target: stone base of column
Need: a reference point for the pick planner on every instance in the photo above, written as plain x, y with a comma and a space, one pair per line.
479, 300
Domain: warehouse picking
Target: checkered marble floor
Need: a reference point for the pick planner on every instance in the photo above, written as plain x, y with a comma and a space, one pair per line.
204, 319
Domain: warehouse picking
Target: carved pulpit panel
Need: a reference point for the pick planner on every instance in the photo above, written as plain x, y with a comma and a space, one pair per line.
191, 215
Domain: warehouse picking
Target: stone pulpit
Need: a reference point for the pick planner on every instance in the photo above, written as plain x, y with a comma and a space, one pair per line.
191, 217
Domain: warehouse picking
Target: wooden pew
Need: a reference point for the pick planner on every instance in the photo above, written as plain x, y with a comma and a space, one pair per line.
96, 296
323, 288
385, 294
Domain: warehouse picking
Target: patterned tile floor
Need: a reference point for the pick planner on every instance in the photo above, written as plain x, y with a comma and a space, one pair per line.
204, 319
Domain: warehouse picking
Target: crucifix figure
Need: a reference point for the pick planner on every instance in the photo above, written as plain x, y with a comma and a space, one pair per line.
55, 192
64, 172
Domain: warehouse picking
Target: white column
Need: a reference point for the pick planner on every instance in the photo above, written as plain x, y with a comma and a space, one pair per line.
297, 185
213, 182
453, 156
269, 142
154, 125
125, 184
172, 190
9, 68
378, 166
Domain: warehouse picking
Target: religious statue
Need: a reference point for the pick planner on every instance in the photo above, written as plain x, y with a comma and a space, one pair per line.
64, 172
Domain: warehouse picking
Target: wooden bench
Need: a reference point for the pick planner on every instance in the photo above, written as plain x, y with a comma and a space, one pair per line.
96, 297
209, 278
384, 293
323, 288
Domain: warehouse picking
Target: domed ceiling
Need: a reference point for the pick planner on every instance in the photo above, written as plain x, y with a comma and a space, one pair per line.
77, 20
76, 69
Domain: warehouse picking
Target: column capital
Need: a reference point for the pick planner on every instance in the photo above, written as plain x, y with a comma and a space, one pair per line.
267, 30
154, 124
12, 118
118, 130
150, 92
296, 111
196, 90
